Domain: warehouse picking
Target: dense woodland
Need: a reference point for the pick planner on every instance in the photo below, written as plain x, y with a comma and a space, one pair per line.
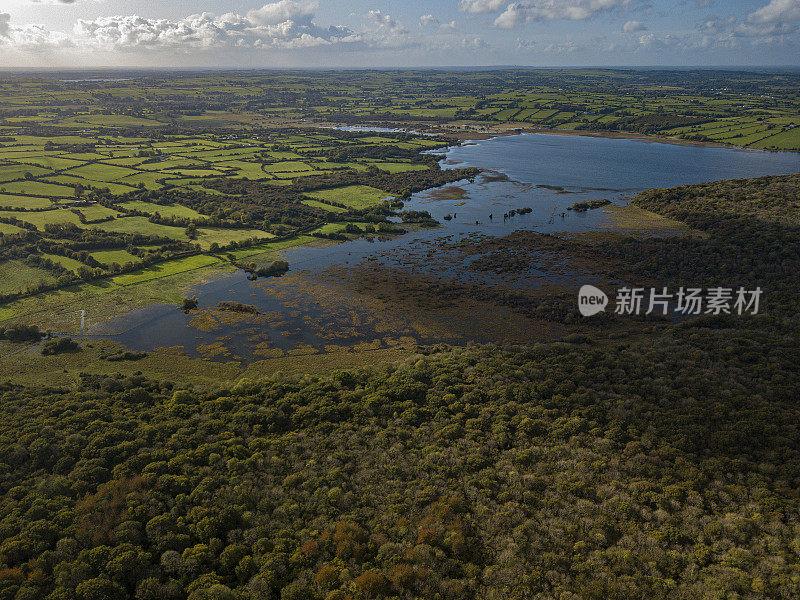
662, 464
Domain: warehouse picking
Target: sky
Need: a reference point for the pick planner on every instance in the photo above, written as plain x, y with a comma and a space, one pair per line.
411, 33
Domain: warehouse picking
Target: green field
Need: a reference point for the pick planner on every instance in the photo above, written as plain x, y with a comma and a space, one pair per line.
68, 263
143, 226
38, 188
100, 172
166, 210
120, 257
208, 236
45, 217
16, 275
158, 271
323, 206
352, 196
97, 212
6, 229
7, 200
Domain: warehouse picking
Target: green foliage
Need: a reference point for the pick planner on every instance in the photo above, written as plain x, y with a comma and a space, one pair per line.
59, 345
488, 472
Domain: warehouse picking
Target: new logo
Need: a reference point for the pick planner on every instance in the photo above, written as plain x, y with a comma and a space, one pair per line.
591, 300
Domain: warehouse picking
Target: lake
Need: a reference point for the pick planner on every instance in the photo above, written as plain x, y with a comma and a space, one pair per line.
547, 173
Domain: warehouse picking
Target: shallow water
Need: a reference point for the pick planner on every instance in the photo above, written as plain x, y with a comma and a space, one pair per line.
547, 173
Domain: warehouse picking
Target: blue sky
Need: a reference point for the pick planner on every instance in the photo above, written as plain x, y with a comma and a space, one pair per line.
375, 33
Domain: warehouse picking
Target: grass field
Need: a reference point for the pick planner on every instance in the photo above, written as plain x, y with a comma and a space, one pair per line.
7, 229
208, 236
45, 217
166, 269
96, 212
38, 188
68, 263
10, 201
323, 206
100, 172
353, 196
16, 275
142, 226
120, 257
165, 210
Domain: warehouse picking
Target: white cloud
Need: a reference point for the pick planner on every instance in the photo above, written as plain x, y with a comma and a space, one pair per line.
386, 23
428, 21
285, 24
650, 41
431, 21
514, 15
482, 6
777, 11
458, 44
384, 31
283, 11
563, 48
716, 25
774, 20
525, 11
30, 38
633, 26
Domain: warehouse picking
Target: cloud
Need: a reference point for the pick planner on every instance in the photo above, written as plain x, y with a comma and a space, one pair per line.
774, 20
5, 24
716, 25
482, 6
514, 15
283, 11
563, 48
777, 11
451, 44
281, 25
651, 41
428, 21
633, 26
132, 32
385, 23
285, 24
431, 21
525, 11
383, 31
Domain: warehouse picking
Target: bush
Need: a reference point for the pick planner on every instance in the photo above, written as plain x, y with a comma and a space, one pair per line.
59, 346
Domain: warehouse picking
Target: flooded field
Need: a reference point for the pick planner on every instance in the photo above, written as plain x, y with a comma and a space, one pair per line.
451, 283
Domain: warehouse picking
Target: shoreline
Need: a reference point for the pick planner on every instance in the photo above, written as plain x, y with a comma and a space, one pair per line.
456, 130
187, 281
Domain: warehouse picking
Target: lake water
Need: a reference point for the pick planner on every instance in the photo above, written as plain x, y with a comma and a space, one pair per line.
547, 173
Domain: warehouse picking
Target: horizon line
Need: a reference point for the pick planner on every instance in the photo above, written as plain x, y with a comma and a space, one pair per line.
6, 69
